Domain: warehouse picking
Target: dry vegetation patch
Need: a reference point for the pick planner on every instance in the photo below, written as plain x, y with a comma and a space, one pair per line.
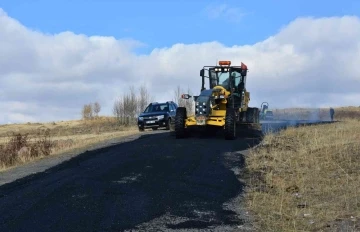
21, 143
307, 178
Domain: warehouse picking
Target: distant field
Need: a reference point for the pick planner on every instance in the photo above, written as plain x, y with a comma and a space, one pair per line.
316, 113
20, 143
307, 178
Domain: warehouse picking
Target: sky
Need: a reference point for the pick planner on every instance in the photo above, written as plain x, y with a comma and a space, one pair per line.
57, 56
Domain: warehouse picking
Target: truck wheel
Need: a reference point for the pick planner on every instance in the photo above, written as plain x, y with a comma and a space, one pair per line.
168, 124
230, 124
180, 122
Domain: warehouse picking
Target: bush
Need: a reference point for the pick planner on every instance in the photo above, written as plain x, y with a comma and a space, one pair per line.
21, 147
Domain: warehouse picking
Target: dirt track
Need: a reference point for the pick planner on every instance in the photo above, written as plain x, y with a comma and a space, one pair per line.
154, 183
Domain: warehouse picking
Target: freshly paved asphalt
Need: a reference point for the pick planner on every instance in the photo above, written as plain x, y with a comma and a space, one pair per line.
154, 183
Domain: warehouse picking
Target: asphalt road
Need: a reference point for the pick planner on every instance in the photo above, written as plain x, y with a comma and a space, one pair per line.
154, 183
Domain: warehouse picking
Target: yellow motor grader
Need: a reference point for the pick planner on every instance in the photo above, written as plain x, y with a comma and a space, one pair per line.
224, 105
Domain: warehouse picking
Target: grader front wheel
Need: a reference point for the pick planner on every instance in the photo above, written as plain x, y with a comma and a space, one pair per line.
230, 124
180, 117
252, 115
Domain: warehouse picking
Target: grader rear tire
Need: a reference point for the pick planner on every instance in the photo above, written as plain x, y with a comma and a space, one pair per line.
230, 124
250, 115
256, 115
180, 117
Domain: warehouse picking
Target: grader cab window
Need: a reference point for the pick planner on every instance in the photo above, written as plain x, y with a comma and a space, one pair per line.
219, 78
237, 76
222, 78
213, 78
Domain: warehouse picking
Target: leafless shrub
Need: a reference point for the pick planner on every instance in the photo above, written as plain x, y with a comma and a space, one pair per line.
43, 142
21, 146
9, 151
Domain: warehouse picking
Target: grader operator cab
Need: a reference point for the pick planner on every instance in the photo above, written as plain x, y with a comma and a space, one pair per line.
224, 105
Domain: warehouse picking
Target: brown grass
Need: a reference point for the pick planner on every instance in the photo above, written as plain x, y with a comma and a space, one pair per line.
21, 143
307, 178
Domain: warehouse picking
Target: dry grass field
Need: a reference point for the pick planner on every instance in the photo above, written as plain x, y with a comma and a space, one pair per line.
307, 178
21, 143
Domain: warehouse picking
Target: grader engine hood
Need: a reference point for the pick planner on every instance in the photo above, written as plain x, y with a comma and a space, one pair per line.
208, 98
203, 103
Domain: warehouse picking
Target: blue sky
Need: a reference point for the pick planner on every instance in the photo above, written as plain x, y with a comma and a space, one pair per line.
163, 23
102, 70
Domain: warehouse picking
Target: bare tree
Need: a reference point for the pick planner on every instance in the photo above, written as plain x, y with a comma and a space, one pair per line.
118, 108
90, 111
187, 103
96, 108
83, 112
87, 112
126, 106
144, 99
177, 96
130, 103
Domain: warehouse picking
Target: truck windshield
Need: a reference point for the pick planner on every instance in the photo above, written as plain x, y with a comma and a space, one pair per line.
157, 108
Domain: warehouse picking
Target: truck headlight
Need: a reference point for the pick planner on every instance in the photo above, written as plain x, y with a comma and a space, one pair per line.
160, 117
141, 118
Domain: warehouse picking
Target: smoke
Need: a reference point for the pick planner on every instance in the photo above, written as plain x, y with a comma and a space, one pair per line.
302, 114
284, 118
314, 115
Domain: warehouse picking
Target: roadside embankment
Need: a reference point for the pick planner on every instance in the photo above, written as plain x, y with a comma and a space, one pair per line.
306, 178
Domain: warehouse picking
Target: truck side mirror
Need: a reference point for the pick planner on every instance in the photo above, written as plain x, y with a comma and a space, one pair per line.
185, 96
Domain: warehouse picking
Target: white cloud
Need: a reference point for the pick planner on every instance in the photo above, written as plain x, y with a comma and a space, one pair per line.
310, 62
